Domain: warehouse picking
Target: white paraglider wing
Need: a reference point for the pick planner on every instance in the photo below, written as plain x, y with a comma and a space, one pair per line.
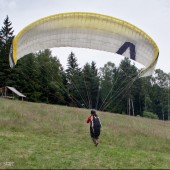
87, 30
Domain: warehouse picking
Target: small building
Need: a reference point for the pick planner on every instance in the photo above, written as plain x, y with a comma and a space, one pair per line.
10, 92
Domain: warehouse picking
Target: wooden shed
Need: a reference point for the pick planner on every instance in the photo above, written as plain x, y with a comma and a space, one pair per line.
10, 92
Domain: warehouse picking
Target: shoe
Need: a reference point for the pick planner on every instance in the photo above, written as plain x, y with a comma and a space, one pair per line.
96, 144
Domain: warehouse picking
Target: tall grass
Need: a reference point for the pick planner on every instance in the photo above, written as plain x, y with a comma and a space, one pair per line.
42, 136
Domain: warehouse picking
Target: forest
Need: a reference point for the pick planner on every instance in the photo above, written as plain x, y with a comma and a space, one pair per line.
42, 78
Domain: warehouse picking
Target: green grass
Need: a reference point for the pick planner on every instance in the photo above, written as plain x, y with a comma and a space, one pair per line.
41, 136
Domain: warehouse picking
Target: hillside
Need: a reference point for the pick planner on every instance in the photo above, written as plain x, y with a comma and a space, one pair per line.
35, 135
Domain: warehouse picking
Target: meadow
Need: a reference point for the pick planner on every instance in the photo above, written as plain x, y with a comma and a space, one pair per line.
44, 136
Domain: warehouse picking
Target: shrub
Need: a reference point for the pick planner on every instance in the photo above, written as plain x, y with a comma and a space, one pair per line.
150, 115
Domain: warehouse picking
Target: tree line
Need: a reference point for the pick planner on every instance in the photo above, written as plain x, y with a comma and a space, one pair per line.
42, 78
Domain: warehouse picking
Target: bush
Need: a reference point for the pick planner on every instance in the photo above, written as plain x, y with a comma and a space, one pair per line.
150, 115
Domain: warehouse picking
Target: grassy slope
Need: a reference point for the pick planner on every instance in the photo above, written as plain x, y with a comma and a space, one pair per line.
47, 136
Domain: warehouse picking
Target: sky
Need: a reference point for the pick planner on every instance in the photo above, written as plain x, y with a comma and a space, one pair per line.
152, 16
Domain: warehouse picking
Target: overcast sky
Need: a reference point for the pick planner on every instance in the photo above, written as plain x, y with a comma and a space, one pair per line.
152, 16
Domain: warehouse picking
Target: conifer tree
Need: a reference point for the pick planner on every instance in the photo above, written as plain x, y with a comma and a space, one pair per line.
73, 80
91, 84
6, 36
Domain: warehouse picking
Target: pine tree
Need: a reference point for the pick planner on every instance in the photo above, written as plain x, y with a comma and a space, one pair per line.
26, 77
95, 79
73, 81
6, 36
90, 85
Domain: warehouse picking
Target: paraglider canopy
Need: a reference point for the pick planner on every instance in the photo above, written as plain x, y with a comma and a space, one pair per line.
87, 30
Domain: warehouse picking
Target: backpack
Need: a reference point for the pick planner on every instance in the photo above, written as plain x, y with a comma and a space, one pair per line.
96, 122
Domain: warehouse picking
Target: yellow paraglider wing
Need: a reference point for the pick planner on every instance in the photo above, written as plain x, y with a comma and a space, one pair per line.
87, 30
